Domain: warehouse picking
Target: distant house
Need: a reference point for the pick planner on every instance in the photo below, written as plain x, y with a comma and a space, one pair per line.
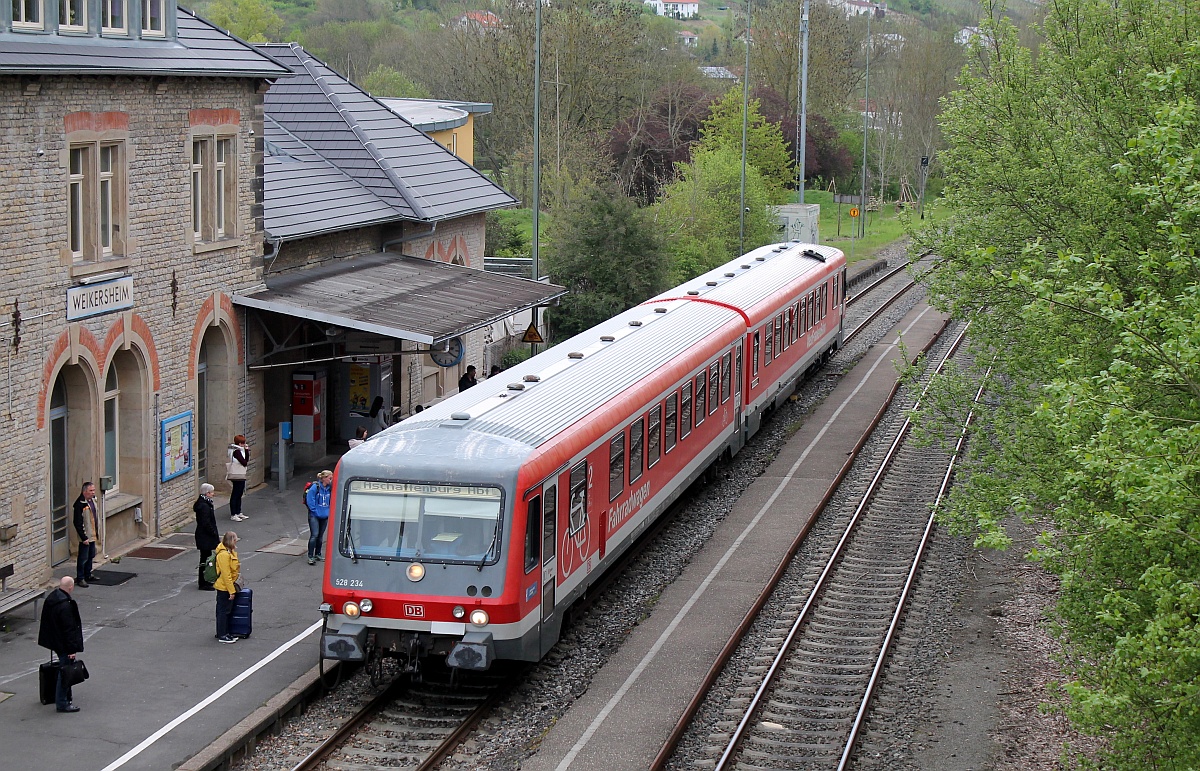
450, 123
478, 21
968, 34
687, 39
717, 73
675, 10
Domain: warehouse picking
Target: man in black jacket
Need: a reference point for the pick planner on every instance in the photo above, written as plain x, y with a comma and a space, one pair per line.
62, 632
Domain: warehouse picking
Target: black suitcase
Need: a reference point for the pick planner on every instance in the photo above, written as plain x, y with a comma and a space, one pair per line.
47, 681
243, 609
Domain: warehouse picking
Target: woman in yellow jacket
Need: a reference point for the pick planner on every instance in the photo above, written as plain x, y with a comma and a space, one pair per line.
226, 584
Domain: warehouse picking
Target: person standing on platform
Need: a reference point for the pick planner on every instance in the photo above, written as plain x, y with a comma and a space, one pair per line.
207, 535
468, 378
238, 459
62, 632
317, 498
228, 573
378, 414
87, 527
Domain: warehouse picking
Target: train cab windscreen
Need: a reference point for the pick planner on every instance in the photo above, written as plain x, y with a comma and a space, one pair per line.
409, 521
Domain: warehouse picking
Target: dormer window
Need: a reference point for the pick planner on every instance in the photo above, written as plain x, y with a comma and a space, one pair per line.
152, 17
112, 16
27, 14
72, 15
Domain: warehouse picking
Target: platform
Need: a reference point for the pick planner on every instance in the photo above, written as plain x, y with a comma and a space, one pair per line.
149, 647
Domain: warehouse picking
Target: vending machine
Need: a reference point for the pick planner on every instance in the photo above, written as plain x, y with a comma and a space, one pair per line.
308, 407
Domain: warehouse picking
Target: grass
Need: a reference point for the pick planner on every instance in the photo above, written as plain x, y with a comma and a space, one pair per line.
883, 227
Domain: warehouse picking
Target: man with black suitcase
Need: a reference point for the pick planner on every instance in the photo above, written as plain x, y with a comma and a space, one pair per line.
62, 632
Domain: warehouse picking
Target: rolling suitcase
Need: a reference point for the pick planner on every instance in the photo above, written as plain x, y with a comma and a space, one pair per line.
47, 681
243, 609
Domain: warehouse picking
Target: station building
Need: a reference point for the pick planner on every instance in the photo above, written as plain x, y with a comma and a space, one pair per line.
145, 321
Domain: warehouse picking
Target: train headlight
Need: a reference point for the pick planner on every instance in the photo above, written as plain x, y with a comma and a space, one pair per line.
365, 605
416, 571
458, 611
351, 610
479, 617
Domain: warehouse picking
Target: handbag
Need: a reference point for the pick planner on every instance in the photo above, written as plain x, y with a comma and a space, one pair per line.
74, 672
234, 470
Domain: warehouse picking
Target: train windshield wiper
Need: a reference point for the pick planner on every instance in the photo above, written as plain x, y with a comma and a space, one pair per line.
350, 534
488, 553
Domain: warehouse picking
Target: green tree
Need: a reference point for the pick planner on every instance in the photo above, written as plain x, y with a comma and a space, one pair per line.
1074, 181
608, 253
765, 149
385, 81
252, 20
699, 213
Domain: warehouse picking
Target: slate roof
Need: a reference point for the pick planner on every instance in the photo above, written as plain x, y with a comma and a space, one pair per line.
200, 49
382, 154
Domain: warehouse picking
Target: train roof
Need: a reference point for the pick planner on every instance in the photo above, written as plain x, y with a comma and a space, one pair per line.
537, 399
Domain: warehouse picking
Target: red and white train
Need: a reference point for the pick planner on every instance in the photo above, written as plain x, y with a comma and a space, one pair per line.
468, 530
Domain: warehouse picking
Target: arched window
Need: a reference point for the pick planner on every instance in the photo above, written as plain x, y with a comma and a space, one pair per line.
112, 447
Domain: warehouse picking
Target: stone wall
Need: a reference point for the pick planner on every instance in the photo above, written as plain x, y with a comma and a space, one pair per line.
181, 302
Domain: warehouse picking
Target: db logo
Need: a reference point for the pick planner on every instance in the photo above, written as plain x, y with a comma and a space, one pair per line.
414, 611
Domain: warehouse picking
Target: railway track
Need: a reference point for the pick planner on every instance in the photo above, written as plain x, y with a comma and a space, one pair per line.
803, 701
416, 726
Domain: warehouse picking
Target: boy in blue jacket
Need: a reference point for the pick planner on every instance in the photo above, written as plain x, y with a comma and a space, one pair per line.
317, 498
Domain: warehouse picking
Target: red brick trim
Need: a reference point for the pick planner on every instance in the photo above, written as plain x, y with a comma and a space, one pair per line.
205, 319
96, 121
209, 117
140, 337
60, 354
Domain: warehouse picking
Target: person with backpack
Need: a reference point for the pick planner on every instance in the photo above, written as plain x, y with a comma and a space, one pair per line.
317, 499
225, 582
207, 535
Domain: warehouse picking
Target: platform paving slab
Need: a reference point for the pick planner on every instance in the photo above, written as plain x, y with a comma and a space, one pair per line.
150, 648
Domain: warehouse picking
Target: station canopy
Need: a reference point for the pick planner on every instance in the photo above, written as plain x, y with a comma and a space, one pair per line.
401, 297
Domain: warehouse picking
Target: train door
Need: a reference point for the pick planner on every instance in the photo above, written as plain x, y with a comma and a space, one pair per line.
550, 621
575, 537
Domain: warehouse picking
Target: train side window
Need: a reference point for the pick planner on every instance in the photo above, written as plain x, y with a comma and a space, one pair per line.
616, 466
726, 385
795, 322
824, 299
685, 411
533, 532
714, 382
778, 334
701, 393
803, 314
755, 345
653, 435
769, 342
549, 522
670, 422
578, 512
636, 445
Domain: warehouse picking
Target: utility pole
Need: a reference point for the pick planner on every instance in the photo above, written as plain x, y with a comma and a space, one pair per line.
745, 120
802, 113
866, 113
537, 143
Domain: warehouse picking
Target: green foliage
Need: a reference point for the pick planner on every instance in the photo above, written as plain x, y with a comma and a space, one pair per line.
765, 148
254, 21
608, 253
514, 356
385, 81
699, 213
1075, 186
508, 234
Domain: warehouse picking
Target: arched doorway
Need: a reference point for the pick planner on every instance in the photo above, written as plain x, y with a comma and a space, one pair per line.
72, 453
216, 405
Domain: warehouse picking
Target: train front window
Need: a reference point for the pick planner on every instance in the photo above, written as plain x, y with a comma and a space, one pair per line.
408, 521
